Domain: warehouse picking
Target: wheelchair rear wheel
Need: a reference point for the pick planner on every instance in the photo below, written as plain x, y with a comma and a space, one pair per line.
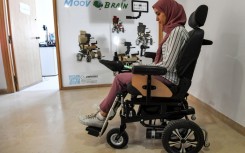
182, 136
117, 142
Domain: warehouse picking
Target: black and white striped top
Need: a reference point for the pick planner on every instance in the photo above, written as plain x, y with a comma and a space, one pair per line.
170, 51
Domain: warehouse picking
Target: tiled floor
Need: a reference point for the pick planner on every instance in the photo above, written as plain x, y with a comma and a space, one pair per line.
45, 121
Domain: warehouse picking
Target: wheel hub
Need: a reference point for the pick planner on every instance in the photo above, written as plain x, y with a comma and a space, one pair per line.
116, 141
183, 141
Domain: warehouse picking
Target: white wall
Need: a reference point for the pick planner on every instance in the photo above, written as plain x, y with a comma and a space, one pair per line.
2, 75
220, 72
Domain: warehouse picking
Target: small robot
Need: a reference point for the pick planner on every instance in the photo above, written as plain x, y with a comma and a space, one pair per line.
87, 49
117, 25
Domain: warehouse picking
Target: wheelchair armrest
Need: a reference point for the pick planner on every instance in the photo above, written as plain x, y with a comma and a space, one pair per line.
149, 70
113, 65
151, 55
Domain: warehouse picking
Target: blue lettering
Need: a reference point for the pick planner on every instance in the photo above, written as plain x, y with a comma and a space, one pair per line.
76, 3
87, 3
68, 3
82, 3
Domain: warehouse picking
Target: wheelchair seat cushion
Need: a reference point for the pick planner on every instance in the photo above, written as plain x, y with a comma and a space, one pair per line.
139, 86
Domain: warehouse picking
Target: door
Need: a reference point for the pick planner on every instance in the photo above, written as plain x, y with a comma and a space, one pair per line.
25, 45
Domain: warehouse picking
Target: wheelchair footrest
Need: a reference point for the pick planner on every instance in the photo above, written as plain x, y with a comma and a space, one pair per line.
94, 131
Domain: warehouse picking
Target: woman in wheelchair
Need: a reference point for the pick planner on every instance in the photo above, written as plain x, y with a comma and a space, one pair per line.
171, 16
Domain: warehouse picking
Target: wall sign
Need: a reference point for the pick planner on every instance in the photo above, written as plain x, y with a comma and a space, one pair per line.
94, 30
25, 9
96, 3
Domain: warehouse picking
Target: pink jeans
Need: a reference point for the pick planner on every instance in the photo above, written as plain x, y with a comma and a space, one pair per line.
120, 85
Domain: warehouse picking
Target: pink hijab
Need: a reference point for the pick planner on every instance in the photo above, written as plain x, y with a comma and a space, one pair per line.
175, 16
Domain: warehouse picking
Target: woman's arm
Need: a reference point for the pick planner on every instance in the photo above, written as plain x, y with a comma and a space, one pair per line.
172, 47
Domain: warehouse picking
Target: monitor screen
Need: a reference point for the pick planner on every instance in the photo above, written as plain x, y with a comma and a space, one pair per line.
139, 6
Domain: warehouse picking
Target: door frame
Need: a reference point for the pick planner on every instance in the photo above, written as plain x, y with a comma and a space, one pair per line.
6, 47
57, 44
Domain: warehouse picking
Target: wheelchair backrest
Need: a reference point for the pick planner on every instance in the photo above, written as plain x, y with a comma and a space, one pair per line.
84, 38
141, 28
188, 57
115, 20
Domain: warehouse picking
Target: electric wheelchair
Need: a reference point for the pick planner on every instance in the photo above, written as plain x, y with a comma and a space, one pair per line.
87, 49
143, 37
164, 111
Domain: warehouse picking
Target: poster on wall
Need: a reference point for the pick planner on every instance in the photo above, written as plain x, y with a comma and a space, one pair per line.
91, 30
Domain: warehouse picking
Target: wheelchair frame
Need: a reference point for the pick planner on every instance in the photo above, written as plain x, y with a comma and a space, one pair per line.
169, 121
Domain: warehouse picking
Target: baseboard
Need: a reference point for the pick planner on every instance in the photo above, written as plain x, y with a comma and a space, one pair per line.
234, 125
86, 86
3, 91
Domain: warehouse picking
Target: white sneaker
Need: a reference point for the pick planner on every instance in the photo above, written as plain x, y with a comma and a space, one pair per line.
93, 121
82, 117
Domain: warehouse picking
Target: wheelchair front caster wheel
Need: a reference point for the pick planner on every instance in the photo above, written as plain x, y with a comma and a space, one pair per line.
99, 54
79, 57
207, 144
193, 117
89, 57
115, 140
183, 136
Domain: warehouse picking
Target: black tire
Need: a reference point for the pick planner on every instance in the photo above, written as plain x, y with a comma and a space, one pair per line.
92, 54
137, 41
99, 54
111, 138
182, 136
79, 57
151, 41
89, 57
